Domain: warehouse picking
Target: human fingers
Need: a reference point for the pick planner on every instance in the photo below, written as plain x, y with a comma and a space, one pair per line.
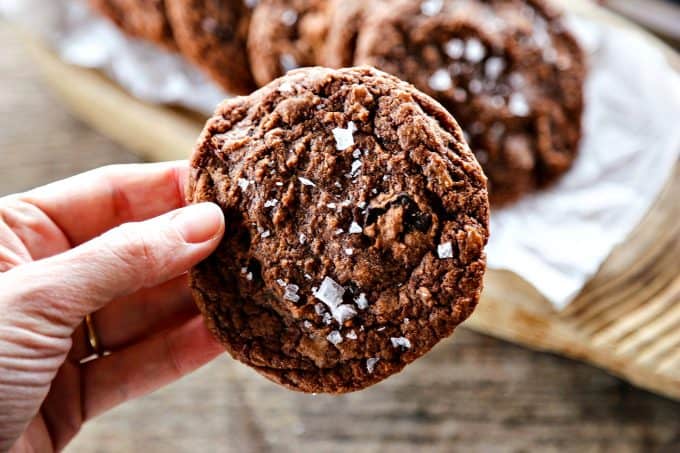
86, 205
147, 366
143, 314
52, 296
27, 234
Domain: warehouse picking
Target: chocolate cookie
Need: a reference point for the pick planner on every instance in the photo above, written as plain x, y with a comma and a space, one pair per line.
357, 219
144, 19
285, 35
507, 70
213, 34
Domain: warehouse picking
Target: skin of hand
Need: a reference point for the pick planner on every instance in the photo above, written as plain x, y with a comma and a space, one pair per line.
116, 243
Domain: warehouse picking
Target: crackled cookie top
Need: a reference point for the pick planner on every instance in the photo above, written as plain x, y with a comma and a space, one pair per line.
356, 224
507, 70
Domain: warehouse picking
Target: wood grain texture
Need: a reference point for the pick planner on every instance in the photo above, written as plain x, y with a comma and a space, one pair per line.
472, 393
626, 320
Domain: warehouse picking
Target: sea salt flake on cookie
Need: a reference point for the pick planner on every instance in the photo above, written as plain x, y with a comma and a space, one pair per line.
344, 138
440, 80
445, 250
291, 293
355, 228
243, 183
518, 105
335, 337
474, 50
431, 7
362, 301
289, 17
356, 166
454, 48
306, 182
331, 294
371, 363
343, 313
400, 342
493, 67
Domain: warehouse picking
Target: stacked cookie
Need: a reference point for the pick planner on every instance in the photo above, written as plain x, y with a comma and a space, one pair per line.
508, 70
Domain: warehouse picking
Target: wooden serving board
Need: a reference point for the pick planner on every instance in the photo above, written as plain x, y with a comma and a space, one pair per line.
627, 319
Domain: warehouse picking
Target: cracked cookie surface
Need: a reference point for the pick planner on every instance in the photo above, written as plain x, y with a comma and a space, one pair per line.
356, 223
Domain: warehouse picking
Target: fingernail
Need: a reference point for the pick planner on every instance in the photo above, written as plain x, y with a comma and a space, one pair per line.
199, 223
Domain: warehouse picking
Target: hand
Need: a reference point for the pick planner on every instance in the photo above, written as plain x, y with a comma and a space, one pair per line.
86, 245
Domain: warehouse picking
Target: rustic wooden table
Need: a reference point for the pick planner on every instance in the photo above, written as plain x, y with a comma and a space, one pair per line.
472, 393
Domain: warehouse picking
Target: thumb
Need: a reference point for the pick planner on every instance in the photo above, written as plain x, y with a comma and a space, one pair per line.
66, 287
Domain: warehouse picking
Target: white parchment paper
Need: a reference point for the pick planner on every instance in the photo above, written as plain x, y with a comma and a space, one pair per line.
556, 239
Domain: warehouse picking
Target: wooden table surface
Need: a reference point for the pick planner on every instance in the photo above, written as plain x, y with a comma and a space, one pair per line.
472, 393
